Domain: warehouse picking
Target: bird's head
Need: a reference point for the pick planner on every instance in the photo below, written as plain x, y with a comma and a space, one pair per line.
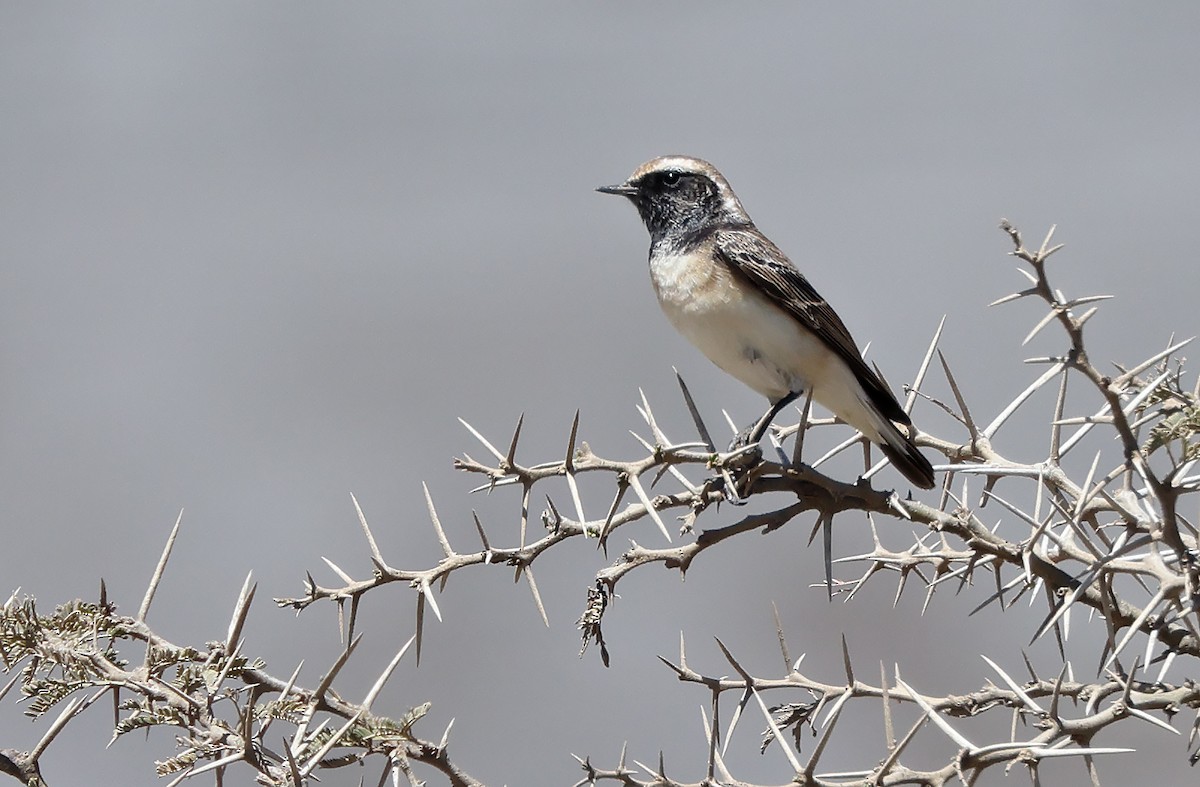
679, 195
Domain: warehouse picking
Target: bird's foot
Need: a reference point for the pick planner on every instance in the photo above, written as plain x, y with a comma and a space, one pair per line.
737, 471
743, 438
731, 481
752, 434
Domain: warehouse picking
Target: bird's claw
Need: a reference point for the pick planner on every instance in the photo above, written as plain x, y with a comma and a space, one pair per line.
737, 470
730, 489
741, 439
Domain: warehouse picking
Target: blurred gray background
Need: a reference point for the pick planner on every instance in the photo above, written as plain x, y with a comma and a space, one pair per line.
258, 256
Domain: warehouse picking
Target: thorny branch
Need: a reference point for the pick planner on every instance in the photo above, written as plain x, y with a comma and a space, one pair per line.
1110, 540
1094, 542
220, 703
1057, 733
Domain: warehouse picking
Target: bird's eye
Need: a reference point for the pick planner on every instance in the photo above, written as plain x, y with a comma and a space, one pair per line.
671, 179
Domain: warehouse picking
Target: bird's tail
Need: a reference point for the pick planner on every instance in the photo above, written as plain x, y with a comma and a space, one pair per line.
903, 453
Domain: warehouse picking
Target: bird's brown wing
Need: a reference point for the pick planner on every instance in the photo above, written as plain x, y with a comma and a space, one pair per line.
754, 258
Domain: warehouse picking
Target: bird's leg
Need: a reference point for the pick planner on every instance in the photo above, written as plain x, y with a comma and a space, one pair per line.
752, 434
739, 480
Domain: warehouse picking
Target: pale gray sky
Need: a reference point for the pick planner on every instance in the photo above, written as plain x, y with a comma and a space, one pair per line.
258, 256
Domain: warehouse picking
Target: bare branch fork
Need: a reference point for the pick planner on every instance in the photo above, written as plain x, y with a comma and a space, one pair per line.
729, 475
1078, 541
1080, 537
1083, 539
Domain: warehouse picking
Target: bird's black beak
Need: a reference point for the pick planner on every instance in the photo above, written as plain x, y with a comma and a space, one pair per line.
623, 190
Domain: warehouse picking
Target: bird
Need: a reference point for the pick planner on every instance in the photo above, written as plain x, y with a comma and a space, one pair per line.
739, 299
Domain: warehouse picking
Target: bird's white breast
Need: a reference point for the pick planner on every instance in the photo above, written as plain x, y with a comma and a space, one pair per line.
747, 335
